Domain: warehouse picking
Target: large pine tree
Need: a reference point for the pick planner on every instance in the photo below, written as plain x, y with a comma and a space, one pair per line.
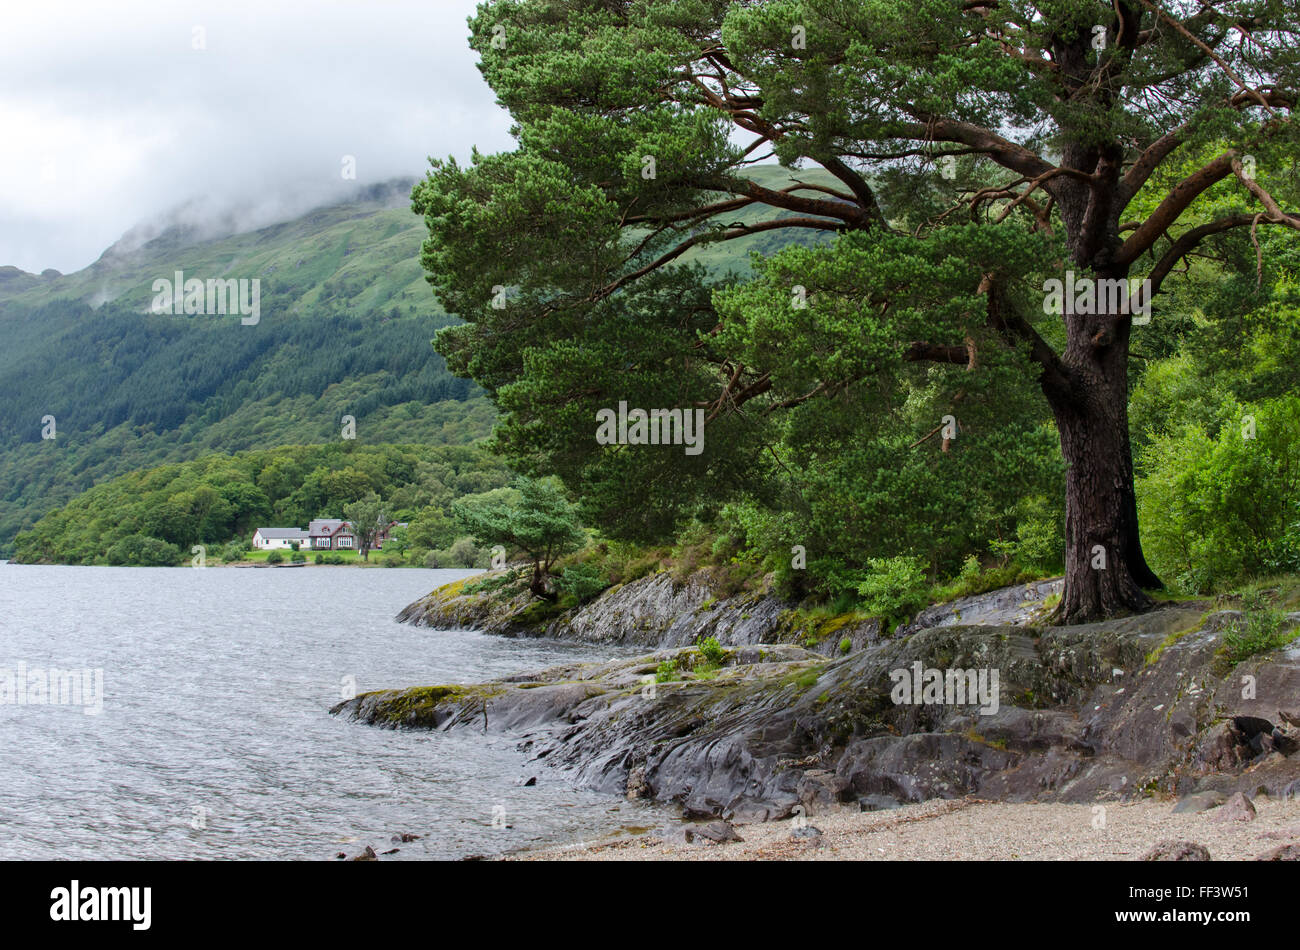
971, 149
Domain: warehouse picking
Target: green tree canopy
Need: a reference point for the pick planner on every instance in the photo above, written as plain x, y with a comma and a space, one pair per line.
943, 159
367, 517
534, 517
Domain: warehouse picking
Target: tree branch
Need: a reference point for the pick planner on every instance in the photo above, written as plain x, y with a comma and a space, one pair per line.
1006, 153
1189, 240
737, 231
1174, 204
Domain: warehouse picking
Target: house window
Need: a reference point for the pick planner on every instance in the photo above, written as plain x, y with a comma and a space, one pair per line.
345, 542
322, 542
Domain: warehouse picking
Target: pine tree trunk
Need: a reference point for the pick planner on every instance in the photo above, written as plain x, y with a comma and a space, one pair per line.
538, 584
1105, 570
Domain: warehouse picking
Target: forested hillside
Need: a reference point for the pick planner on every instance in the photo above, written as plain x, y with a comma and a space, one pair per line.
156, 516
344, 329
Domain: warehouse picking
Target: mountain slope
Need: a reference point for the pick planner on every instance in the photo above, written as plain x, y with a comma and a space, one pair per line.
344, 328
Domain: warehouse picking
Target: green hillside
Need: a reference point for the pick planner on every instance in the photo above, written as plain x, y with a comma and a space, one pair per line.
156, 516
345, 324
345, 328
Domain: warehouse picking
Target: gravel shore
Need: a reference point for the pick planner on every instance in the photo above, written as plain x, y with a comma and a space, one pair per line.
968, 830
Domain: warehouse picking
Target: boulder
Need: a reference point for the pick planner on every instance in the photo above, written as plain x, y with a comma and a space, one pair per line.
713, 832
819, 789
1223, 748
1171, 850
1237, 808
637, 787
1285, 852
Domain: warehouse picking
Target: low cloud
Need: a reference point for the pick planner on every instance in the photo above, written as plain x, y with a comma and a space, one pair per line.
113, 117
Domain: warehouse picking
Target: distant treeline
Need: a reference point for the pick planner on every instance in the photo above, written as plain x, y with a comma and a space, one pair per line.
128, 390
94, 369
155, 516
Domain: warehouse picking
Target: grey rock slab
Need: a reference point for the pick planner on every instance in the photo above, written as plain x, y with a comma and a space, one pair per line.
1198, 802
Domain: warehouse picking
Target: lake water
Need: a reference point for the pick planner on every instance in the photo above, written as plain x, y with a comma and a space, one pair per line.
214, 739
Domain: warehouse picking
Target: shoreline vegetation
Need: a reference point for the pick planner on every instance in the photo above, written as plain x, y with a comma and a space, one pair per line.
250, 565
211, 506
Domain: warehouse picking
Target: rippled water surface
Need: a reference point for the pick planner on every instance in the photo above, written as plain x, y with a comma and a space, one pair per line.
214, 739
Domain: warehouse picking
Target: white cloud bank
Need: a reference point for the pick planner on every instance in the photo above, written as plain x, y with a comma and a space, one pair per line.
112, 116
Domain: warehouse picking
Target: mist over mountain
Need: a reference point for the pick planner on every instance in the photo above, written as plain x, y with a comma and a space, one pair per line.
344, 329
204, 218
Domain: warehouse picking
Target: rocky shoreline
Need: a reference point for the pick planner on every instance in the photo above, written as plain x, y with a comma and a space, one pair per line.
1121, 711
659, 611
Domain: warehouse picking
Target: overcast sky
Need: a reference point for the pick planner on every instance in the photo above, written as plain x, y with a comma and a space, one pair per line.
112, 117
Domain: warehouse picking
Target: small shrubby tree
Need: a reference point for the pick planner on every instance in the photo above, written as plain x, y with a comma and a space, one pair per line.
464, 553
398, 543
367, 517
534, 517
142, 551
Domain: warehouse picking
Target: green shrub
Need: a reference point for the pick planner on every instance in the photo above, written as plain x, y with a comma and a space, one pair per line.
465, 553
769, 538
582, 581
712, 651
1217, 508
1259, 630
895, 587
666, 672
623, 562
234, 551
1038, 546
297, 557
140, 550
1284, 554
724, 546
1039, 543
968, 585
515, 580
275, 557
966, 582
